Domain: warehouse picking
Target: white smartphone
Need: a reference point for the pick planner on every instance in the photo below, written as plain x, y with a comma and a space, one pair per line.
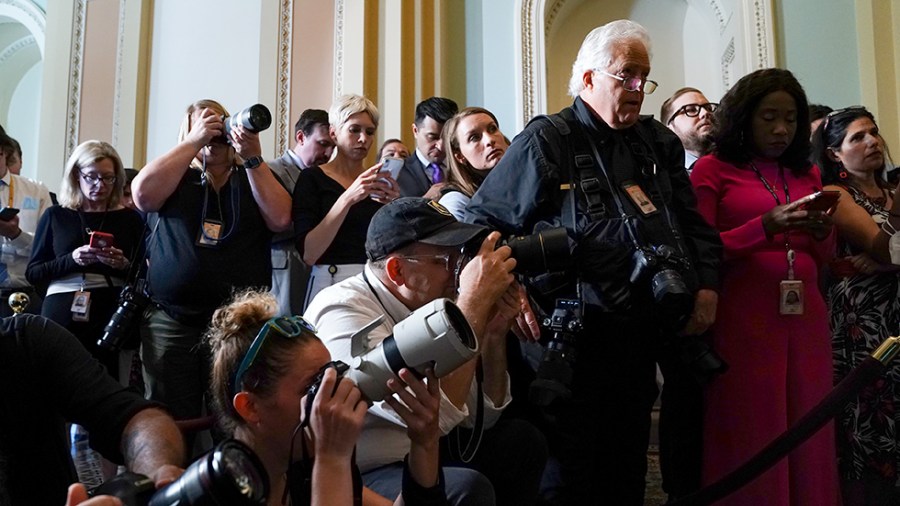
393, 166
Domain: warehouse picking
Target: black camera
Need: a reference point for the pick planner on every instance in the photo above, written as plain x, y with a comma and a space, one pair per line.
661, 264
541, 252
553, 379
122, 327
229, 474
675, 303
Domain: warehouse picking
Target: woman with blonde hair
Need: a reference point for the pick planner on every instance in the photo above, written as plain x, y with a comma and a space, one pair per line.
333, 204
218, 205
474, 145
275, 388
83, 248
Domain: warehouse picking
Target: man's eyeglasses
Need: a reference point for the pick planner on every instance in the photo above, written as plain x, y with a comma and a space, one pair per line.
92, 179
693, 110
633, 83
289, 327
448, 259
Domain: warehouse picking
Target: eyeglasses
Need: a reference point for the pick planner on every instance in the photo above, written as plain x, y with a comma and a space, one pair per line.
693, 110
92, 179
633, 83
447, 259
839, 112
289, 327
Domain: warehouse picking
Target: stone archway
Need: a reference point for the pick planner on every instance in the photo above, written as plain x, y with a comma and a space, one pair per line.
744, 43
21, 56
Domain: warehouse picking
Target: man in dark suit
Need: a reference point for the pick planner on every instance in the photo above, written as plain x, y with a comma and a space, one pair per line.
423, 173
314, 147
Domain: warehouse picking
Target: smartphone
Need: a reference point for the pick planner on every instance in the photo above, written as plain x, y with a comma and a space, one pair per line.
7, 213
101, 240
393, 166
821, 201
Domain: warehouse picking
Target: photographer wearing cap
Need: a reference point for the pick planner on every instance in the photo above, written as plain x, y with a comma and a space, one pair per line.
416, 252
218, 205
47, 379
616, 181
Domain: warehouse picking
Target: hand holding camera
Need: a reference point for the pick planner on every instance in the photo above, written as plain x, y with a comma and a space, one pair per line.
488, 274
421, 402
206, 125
337, 417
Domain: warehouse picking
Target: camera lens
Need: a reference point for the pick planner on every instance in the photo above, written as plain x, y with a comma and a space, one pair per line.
230, 474
544, 251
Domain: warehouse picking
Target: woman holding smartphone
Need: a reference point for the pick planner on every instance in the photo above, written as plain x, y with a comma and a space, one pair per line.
83, 277
864, 308
334, 203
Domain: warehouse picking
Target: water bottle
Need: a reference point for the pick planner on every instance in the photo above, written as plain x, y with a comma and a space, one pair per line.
87, 461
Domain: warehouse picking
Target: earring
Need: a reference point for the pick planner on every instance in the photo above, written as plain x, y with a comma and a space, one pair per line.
843, 172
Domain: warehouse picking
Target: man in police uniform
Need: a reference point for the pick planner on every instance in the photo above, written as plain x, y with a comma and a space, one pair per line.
587, 168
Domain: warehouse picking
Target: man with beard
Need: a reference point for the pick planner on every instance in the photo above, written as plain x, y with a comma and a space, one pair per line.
690, 115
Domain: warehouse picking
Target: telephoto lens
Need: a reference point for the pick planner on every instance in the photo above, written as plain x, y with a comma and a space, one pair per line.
255, 118
541, 252
229, 474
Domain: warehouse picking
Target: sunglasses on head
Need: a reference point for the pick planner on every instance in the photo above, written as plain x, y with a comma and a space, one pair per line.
288, 327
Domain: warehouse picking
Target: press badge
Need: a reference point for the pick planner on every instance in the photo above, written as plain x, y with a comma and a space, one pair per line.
639, 198
791, 297
210, 233
81, 306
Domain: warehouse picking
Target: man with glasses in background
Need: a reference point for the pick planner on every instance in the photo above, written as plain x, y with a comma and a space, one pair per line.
690, 115
616, 181
417, 253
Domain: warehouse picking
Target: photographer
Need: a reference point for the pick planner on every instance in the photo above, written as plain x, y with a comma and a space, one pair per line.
416, 255
585, 168
218, 205
47, 379
260, 363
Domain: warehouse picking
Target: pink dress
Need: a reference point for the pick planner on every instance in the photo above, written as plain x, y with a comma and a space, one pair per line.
781, 365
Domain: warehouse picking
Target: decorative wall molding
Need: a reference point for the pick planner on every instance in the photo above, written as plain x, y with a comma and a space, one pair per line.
727, 61
120, 60
338, 48
73, 105
760, 22
283, 106
552, 12
30, 15
19, 45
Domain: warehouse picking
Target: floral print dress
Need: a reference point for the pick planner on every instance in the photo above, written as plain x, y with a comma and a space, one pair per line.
864, 310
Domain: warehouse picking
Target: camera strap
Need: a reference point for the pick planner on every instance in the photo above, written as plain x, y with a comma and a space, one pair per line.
466, 454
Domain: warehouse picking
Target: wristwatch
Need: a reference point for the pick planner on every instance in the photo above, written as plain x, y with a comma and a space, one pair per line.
253, 162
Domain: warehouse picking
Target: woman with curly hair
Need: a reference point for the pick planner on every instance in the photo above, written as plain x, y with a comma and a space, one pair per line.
864, 308
772, 325
263, 369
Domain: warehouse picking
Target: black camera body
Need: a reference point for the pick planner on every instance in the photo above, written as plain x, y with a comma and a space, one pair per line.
662, 266
123, 323
553, 378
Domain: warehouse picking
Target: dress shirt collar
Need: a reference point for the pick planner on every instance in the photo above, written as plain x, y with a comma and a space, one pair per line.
296, 159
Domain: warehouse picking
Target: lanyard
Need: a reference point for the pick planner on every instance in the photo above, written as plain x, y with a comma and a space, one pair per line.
791, 255
12, 191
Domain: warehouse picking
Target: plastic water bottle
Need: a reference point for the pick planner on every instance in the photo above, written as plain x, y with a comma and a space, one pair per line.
87, 461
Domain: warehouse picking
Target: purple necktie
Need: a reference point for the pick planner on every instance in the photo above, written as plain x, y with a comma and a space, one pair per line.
437, 175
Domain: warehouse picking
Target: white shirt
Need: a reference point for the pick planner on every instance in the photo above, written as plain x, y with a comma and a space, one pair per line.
31, 199
338, 312
456, 202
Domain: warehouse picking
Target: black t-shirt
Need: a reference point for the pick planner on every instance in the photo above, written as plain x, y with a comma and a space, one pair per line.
47, 379
190, 281
60, 231
315, 195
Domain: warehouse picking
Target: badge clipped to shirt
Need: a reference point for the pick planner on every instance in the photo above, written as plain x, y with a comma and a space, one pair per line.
210, 233
791, 297
81, 306
639, 198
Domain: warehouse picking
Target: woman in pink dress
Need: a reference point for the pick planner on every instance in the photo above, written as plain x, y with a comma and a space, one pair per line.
772, 323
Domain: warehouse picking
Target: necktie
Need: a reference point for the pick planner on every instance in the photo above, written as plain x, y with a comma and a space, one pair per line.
437, 175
